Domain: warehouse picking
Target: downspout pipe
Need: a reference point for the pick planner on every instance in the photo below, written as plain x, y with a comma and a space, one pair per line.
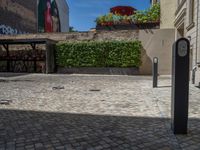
197, 34
195, 68
37, 16
194, 74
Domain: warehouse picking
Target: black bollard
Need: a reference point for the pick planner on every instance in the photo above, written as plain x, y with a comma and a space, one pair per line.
155, 72
180, 86
194, 74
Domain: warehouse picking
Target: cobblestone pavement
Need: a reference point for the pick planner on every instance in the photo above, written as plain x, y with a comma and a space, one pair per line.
87, 112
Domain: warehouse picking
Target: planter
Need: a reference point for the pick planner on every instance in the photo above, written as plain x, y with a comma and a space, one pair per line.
125, 22
127, 25
148, 25
117, 27
99, 70
106, 24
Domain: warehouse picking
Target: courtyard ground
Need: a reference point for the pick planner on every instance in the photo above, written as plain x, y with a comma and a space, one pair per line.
91, 112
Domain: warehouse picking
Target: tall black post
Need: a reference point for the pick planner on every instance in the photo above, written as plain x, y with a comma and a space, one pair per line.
180, 86
155, 72
194, 74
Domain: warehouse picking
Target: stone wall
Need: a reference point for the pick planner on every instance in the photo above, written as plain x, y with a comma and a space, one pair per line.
156, 43
81, 36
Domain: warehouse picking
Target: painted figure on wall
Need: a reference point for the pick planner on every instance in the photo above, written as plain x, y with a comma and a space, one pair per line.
55, 17
48, 17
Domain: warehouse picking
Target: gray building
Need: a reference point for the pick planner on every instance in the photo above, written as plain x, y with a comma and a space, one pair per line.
63, 14
33, 16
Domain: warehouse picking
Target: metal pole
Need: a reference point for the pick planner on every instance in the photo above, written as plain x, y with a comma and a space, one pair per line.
155, 72
6, 46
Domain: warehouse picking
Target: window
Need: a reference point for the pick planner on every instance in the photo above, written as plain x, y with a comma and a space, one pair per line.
191, 14
179, 1
191, 11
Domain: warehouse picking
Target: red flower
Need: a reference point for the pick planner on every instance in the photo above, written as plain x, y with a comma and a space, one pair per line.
123, 10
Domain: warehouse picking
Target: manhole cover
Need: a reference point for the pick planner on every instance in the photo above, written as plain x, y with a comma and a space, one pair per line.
58, 88
95, 90
5, 102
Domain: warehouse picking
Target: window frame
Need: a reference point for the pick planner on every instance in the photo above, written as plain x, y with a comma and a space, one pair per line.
191, 14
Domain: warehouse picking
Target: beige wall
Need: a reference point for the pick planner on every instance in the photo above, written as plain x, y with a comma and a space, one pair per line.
157, 43
168, 8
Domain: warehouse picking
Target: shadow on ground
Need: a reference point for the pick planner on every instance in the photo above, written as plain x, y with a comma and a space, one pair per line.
45, 130
8, 75
164, 86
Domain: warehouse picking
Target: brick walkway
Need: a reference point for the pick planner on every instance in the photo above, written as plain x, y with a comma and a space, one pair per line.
91, 113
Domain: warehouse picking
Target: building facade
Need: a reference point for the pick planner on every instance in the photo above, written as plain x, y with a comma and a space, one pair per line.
167, 13
33, 16
184, 17
187, 24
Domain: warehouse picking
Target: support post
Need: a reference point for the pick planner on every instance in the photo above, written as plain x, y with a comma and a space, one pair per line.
33, 45
155, 72
180, 86
194, 74
50, 57
6, 46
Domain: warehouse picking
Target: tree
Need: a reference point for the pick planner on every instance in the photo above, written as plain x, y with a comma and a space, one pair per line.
71, 29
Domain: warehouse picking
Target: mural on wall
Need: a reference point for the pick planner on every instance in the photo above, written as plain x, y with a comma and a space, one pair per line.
7, 30
48, 16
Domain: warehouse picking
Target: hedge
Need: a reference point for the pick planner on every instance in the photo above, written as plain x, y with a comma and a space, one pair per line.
99, 54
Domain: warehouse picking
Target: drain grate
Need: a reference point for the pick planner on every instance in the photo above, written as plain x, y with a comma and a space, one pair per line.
95, 90
58, 88
5, 102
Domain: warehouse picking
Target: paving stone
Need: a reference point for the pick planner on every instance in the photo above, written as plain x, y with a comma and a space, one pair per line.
125, 113
38, 145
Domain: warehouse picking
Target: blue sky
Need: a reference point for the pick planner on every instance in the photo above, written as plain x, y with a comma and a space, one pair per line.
84, 12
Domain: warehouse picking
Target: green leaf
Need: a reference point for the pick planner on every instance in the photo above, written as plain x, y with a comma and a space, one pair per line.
99, 54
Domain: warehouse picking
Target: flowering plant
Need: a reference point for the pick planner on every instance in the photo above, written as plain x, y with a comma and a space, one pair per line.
145, 16
151, 15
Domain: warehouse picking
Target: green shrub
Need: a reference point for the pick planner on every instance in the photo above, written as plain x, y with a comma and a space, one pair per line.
99, 54
150, 15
